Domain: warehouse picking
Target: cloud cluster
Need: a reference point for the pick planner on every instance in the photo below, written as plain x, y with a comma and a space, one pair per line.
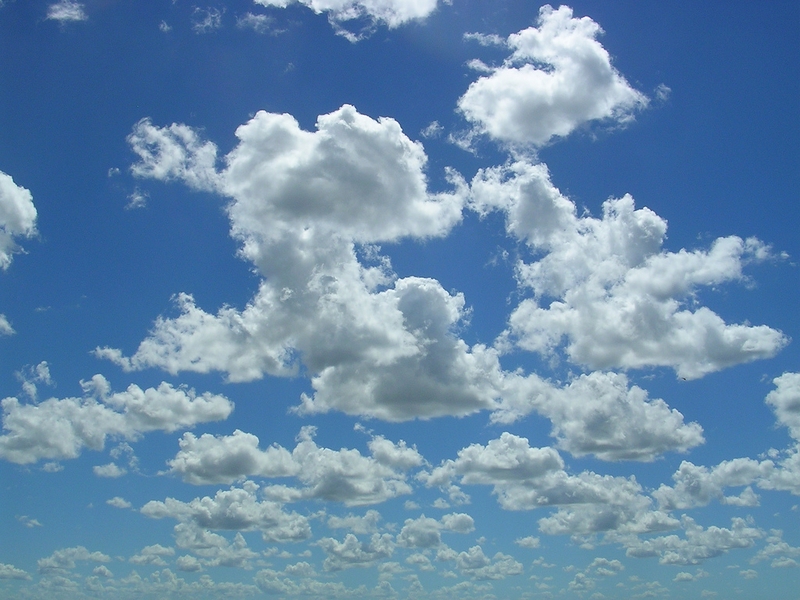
335, 475
609, 287
61, 428
525, 478
236, 509
557, 78
17, 217
393, 13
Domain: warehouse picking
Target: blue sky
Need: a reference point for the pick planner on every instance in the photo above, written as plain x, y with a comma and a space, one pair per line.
399, 299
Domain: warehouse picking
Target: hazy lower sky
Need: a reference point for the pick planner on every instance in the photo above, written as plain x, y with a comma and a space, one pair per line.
399, 299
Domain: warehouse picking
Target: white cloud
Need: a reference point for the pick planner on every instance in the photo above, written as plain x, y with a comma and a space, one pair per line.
698, 485
780, 553
393, 13
236, 509
343, 475
698, 544
557, 78
479, 566
64, 560
5, 326
600, 414
66, 10
17, 219
525, 478
307, 209
11, 572
59, 429
354, 553
359, 525
527, 542
785, 401
118, 502
258, 23
152, 555
110, 470
618, 297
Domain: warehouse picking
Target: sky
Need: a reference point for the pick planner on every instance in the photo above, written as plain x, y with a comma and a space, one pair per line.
399, 299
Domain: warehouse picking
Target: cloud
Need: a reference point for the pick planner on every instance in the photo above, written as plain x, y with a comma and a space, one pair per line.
206, 20
698, 544
392, 13
424, 532
236, 509
152, 555
118, 502
785, 401
527, 542
334, 475
359, 525
66, 10
477, 565
17, 219
59, 429
354, 553
110, 470
5, 326
525, 478
11, 572
557, 78
608, 286
65, 559
258, 23
600, 414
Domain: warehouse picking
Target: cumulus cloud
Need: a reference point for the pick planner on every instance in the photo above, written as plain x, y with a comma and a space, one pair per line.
152, 555
392, 13
343, 475
601, 414
61, 428
236, 509
424, 532
476, 564
17, 219
785, 401
525, 478
307, 208
698, 543
12, 572
557, 78
608, 286
65, 559
66, 10
118, 502
351, 552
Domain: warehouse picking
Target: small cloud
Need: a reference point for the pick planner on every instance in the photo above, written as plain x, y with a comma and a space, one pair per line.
66, 10
410, 505
113, 172
484, 39
662, 92
527, 542
118, 502
52, 467
258, 23
137, 199
5, 326
165, 27
749, 573
27, 521
110, 470
206, 20
433, 130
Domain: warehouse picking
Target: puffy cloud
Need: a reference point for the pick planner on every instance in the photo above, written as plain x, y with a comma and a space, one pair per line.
343, 475
62, 428
479, 566
424, 532
698, 485
557, 78
11, 572
236, 509
525, 478
354, 553
777, 551
152, 555
17, 219
118, 502
618, 297
111, 470
785, 401
64, 559
600, 414
66, 10
527, 542
393, 13
358, 525
698, 544
307, 208
5, 326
